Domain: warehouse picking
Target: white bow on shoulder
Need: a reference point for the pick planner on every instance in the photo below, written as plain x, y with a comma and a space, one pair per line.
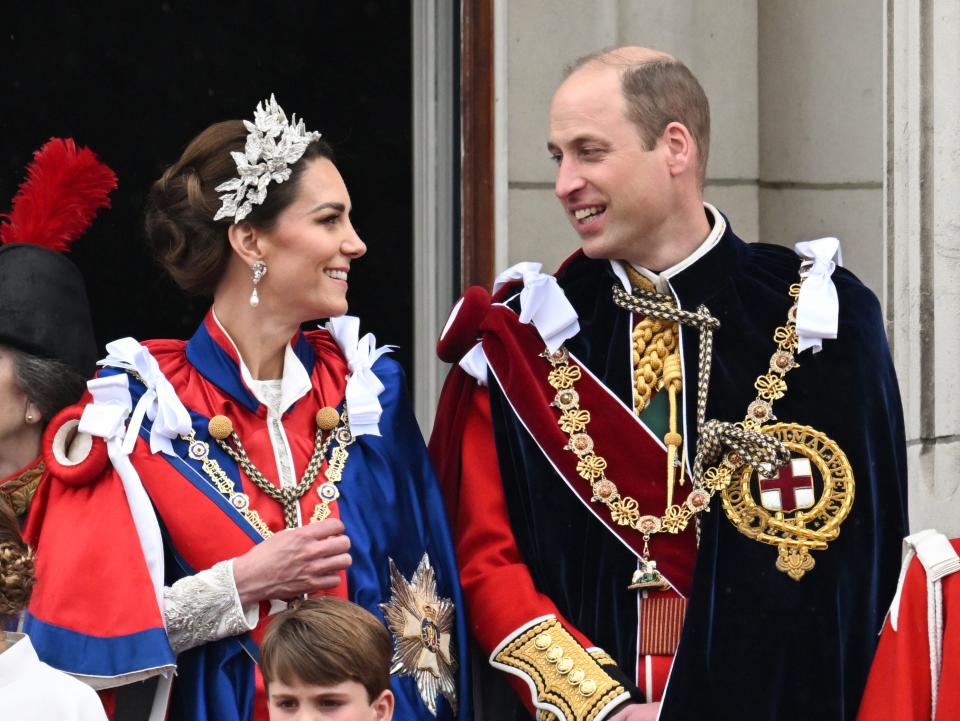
542, 303
818, 308
112, 403
363, 387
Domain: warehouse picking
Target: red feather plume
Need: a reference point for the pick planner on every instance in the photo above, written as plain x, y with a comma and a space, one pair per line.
64, 189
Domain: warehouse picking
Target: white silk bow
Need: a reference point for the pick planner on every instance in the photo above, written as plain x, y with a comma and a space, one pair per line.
542, 303
112, 403
474, 362
106, 416
363, 386
818, 309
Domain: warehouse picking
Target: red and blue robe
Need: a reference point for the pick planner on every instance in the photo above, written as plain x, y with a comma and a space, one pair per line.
95, 611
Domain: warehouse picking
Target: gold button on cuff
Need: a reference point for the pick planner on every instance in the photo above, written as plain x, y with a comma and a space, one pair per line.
564, 674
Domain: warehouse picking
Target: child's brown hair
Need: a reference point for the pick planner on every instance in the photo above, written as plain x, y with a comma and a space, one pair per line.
326, 641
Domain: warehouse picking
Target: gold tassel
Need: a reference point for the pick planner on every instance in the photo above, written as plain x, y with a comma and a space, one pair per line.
672, 379
655, 353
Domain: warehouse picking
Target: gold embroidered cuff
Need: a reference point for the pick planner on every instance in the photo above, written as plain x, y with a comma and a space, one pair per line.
566, 677
602, 657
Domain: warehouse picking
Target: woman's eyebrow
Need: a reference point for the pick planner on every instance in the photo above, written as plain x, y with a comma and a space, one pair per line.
335, 206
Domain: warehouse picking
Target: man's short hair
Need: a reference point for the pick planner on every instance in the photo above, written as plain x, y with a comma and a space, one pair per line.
327, 641
657, 93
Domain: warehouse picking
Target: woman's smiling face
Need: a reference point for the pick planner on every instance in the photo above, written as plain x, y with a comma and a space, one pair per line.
309, 249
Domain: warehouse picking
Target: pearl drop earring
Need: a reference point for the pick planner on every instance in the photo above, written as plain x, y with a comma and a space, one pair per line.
258, 270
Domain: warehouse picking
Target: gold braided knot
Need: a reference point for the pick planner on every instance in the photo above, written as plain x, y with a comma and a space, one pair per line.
672, 372
654, 344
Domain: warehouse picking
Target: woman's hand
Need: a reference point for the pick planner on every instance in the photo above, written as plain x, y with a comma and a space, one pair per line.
293, 562
638, 712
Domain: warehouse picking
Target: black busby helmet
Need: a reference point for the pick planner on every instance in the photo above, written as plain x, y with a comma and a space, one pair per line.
43, 301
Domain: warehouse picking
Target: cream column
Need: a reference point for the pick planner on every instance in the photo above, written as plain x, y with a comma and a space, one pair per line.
922, 245
434, 46
821, 125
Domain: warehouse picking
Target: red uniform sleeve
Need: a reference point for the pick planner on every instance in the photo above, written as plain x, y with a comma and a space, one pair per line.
520, 628
948, 698
496, 582
900, 682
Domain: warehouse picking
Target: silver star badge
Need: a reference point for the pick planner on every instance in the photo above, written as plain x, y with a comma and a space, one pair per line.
422, 628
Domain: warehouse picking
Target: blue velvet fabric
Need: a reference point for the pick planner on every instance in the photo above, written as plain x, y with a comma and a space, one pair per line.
215, 682
394, 510
756, 644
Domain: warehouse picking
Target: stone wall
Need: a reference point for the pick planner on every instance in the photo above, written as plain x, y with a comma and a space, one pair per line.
922, 242
821, 127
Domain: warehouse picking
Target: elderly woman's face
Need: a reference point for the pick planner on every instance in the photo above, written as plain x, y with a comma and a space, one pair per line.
309, 250
13, 401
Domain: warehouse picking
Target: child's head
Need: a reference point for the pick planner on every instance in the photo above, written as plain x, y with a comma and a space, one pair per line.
16, 564
327, 659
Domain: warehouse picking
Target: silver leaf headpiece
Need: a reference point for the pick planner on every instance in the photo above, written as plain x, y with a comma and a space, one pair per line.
273, 145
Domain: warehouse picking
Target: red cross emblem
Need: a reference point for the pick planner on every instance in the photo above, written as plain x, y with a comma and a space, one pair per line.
791, 489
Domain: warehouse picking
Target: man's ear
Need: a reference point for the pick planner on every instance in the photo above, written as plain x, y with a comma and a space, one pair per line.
681, 148
383, 706
245, 242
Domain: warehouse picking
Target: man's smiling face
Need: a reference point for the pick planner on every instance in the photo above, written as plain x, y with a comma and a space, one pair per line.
614, 190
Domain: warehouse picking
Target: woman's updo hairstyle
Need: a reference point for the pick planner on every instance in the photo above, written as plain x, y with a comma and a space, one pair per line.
16, 564
184, 237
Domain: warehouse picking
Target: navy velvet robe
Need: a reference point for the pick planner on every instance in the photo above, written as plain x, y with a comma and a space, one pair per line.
756, 644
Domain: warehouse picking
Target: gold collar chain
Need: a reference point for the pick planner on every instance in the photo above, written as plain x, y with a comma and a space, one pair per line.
327, 419
748, 443
752, 445
221, 430
801, 529
591, 466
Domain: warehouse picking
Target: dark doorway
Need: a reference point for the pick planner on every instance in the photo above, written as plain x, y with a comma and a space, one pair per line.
135, 81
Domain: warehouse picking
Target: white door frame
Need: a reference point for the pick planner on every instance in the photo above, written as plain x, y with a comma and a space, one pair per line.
435, 45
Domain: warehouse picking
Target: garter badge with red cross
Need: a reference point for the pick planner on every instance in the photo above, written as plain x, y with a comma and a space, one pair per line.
801, 507
791, 489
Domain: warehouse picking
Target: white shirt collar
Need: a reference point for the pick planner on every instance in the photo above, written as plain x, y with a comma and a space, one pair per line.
18, 659
294, 383
660, 280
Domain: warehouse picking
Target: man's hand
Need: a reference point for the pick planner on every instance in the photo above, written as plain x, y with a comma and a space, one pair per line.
638, 712
293, 562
